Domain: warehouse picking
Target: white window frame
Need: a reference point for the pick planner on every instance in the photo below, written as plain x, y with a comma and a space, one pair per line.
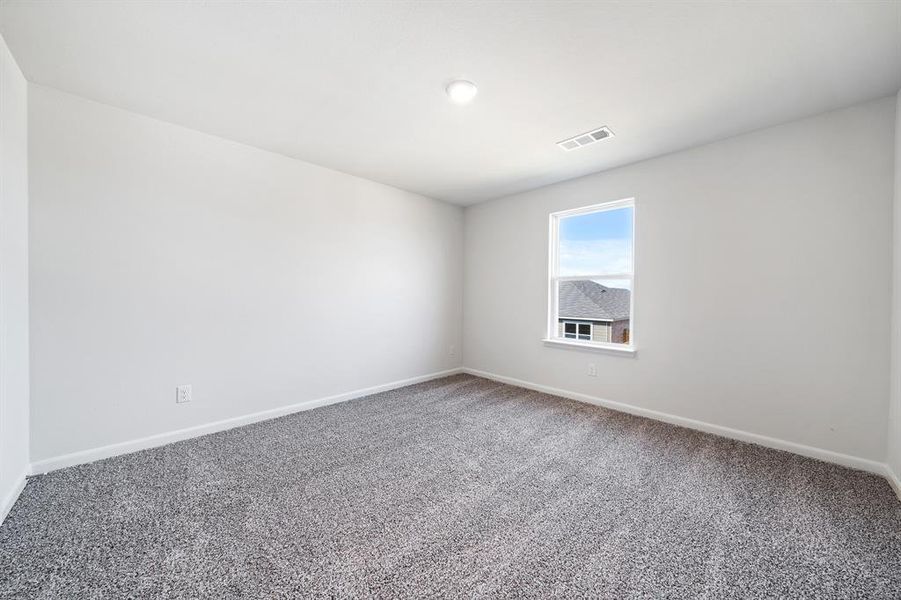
554, 279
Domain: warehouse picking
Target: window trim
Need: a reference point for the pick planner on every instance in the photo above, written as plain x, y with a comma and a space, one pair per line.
553, 279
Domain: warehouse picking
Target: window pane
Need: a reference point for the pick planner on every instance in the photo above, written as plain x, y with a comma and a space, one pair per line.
601, 308
596, 243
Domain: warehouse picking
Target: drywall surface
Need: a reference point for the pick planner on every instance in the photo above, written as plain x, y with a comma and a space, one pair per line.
161, 256
762, 281
13, 278
894, 428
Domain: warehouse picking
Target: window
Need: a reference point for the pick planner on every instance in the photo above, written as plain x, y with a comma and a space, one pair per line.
590, 295
577, 331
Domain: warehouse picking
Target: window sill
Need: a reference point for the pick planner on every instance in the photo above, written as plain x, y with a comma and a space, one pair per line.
607, 348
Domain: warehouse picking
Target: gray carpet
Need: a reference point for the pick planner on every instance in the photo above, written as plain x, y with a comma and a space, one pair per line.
459, 487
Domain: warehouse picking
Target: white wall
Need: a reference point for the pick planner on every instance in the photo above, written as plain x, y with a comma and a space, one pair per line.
763, 283
894, 429
162, 256
13, 279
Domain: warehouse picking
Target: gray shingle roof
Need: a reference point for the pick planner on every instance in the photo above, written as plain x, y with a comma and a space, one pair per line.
587, 299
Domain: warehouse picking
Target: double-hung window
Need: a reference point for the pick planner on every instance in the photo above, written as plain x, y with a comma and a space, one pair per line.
591, 287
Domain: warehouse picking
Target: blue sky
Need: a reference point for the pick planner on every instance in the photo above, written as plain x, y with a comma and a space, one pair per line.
596, 243
616, 224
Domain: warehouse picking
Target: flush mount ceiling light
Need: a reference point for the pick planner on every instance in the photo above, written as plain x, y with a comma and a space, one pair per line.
461, 91
584, 139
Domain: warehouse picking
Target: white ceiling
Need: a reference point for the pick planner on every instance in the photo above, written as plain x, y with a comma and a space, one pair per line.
359, 86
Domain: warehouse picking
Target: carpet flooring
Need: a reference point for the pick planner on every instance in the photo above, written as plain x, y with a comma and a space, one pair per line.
459, 487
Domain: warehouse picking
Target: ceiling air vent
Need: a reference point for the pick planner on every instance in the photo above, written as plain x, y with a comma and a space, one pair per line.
584, 139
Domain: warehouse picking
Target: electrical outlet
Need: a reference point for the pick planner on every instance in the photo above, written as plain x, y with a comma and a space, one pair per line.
182, 394
592, 370
452, 350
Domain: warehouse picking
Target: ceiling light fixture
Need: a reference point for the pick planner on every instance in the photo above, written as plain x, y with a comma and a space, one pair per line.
461, 91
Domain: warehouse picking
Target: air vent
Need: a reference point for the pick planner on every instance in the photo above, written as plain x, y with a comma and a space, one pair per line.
584, 139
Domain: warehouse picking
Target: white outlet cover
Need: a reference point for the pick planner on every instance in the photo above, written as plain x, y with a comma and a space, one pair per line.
182, 394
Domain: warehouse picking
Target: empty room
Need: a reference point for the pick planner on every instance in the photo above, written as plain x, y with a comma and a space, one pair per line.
450, 299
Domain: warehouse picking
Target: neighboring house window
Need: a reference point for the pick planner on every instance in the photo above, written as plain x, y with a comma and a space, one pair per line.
591, 276
577, 331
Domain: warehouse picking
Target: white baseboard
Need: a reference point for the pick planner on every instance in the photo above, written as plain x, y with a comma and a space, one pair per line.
6, 504
845, 460
86, 456
893, 480
161, 439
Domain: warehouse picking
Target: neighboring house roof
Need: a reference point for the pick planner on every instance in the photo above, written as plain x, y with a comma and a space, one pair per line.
585, 299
